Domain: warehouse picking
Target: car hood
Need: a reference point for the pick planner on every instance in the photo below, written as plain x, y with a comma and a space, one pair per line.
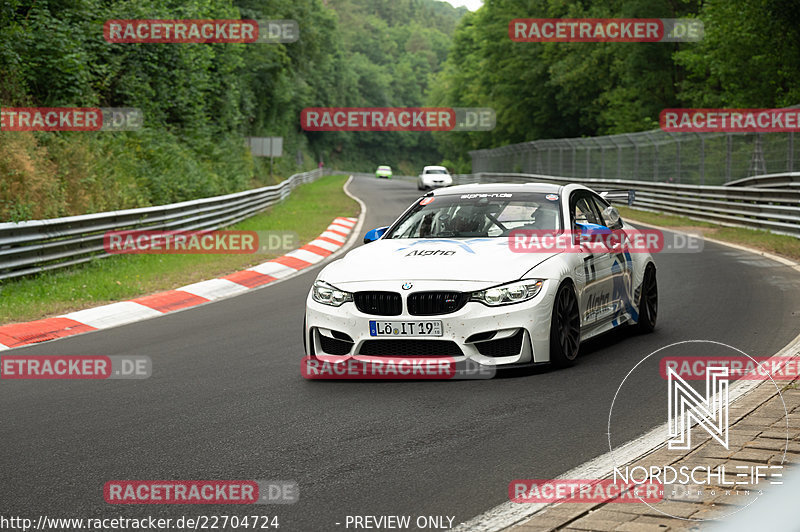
469, 259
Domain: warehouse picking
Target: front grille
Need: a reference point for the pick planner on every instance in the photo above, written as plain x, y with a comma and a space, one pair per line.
505, 347
435, 303
379, 303
410, 348
334, 346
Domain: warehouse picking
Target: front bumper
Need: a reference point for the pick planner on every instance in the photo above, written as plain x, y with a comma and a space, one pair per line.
430, 183
521, 331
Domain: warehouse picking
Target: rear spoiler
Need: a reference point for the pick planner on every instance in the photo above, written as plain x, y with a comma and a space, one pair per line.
619, 195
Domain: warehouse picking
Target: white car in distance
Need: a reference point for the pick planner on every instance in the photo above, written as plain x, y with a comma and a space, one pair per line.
434, 177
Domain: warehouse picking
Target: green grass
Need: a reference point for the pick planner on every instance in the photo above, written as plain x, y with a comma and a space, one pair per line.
308, 211
785, 246
657, 218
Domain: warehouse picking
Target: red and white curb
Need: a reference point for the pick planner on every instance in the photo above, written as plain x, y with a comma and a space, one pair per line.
103, 317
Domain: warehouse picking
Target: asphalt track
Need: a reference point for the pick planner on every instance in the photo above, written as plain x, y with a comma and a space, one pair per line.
226, 401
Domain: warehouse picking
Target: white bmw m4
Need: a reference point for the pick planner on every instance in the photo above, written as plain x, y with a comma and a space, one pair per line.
458, 275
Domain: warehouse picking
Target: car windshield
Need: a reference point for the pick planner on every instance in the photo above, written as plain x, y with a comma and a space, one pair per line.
478, 215
435, 171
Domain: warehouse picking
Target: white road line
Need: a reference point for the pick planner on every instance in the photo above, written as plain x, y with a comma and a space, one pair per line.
360, 220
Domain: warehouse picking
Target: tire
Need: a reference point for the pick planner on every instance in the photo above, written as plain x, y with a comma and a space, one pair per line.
565, 327
648, 301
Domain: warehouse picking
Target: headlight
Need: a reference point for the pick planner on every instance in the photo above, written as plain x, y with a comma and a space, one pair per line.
515, 292
329, 295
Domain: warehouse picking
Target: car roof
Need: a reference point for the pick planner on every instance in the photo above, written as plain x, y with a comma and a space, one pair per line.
434, 166
498, 187
384, 166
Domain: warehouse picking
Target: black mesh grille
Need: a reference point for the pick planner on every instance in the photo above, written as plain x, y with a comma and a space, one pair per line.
504, 347
434, 303
379, 303
334, 346
410, 348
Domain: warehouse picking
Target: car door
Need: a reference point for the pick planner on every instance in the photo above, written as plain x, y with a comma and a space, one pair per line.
594, 271
621, 264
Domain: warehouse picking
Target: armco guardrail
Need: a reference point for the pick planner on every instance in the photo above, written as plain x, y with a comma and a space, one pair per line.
41, 245
787, 180
772, 209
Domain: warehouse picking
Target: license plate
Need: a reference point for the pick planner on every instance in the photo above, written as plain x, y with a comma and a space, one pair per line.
405, 328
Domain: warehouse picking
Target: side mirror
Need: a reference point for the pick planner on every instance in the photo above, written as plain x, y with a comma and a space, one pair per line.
588, 229
611, 214
587, 233
591, 234
375, 234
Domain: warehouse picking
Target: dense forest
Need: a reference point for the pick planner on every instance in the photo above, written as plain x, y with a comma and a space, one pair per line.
200, 100
749, 57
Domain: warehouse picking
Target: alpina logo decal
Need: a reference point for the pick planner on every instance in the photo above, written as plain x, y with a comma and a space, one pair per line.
428, 252
463, 244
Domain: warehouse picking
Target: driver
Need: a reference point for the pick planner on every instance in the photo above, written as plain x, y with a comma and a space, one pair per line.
468, 219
